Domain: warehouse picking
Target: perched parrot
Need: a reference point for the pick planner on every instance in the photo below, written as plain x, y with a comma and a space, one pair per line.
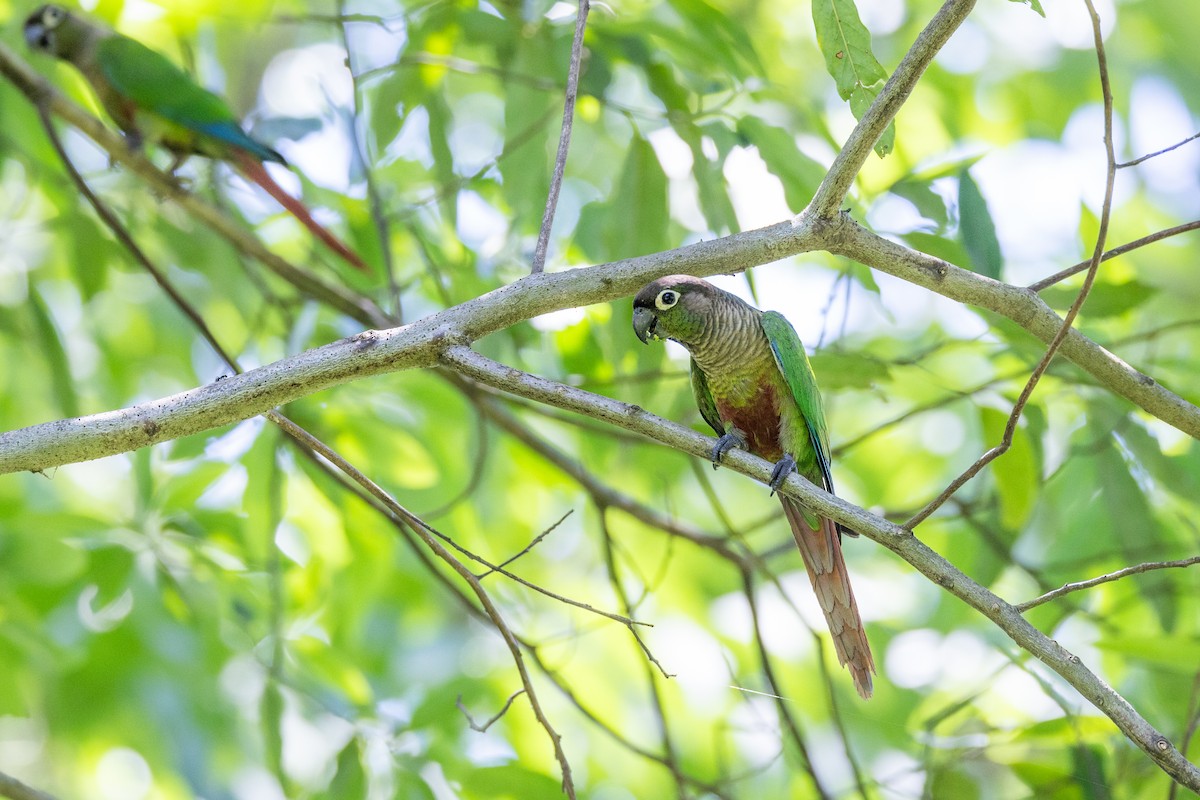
755, 387
152, 99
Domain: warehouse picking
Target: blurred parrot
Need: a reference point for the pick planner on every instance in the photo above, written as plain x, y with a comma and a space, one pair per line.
755, 387
152, 99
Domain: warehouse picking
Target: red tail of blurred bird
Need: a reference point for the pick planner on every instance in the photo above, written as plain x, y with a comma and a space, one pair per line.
151, 99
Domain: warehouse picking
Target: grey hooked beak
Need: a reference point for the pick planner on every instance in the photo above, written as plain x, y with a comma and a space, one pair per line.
644, 323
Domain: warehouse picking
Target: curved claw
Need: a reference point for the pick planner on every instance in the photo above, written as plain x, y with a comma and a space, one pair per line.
784, 467
725, 443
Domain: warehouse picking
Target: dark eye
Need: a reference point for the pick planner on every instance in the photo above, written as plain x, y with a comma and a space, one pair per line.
666, 298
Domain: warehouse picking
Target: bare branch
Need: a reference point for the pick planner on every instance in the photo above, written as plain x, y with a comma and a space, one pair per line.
1157, 236
418, 344
564, 139
483, 728
1158, 153
1010, 427
897, 539
418, 526
1112, 576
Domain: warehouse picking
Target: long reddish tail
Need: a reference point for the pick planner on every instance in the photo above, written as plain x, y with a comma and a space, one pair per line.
253, 169
822, 552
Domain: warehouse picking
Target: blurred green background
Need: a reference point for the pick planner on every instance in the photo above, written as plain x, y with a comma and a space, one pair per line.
219, 618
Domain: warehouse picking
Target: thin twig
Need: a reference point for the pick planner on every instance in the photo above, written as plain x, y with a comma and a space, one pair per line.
1075, 269
785, 714
536, 540
1158, 153
421, 529
1112, 576
564, 139
483, 728
1014, 418
374, 199
670, 756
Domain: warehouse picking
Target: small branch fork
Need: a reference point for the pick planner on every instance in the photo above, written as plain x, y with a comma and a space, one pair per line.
1137, 569
1010, 428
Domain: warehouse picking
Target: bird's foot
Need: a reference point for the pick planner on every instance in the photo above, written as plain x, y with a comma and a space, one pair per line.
183, 183
725, 443
783, 467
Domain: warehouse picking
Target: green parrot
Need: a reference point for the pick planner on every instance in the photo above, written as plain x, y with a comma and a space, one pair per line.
152, 99
755, 387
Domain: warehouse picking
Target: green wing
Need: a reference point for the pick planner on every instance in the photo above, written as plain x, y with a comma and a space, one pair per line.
704, 401
793, 363
153, 84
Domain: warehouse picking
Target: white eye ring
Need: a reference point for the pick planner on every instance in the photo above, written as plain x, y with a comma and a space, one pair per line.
666, 299
53, 16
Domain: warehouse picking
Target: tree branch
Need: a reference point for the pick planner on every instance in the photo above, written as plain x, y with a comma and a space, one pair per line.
1023, 307
897, 539
418, 344
1112, 576
564, 139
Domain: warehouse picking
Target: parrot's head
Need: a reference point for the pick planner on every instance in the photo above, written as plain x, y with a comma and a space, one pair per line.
44, 30
676, 307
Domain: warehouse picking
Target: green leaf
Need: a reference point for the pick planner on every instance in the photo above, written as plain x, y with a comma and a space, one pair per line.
510, 782
977, 229
1018, 472
635, 222
714, 196
846, 44
836, 369
1036, 5
56, 357
349, 781
1175, 653
860, 100
799, 174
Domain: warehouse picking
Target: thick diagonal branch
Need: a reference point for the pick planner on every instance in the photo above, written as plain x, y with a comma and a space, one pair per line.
900, 541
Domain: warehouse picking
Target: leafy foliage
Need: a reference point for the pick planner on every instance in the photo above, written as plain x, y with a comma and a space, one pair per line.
221, 617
